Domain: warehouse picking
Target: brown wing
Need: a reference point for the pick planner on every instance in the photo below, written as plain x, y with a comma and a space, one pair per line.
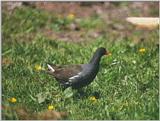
65, 72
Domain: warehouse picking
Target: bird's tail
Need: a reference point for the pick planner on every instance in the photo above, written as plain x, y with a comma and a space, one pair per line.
50, 69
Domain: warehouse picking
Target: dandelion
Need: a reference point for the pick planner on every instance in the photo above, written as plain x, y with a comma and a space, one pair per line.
38, 68
13, 100
93, 98
51, 107
142, 50
71, 16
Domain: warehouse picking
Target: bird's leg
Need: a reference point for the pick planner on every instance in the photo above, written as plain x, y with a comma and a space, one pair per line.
81, 91
64, 86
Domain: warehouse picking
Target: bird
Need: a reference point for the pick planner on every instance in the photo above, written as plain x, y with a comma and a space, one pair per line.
80, 75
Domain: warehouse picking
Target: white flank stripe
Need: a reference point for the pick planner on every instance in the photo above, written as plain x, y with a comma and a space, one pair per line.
73, 77
50, 67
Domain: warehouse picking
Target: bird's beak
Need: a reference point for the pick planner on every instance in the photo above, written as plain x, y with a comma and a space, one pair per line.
108, 53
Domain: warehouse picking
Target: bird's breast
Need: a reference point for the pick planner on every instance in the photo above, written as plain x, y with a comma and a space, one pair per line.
91, 73
86, 76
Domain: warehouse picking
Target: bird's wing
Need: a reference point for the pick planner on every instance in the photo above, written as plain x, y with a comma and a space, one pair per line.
64, 73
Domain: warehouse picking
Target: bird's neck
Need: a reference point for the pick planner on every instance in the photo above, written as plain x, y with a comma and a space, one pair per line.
95, 59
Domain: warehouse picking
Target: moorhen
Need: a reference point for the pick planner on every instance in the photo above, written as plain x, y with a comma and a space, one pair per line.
77, 76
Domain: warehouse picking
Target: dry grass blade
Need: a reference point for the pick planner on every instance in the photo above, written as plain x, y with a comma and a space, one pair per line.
51, 115
22, 113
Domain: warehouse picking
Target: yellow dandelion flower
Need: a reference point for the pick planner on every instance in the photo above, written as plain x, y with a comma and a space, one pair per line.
142, 50
38, 68
92, 98
13, 100
51, 107
71, 16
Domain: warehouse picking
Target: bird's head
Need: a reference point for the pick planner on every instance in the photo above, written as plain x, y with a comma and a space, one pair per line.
102, 51
98, 54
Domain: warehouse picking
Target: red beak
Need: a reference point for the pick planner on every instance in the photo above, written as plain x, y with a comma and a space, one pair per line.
108, 53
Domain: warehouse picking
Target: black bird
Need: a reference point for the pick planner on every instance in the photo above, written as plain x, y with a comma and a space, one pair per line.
77, 76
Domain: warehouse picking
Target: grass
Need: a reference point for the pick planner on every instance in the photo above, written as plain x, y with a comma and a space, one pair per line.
126, 86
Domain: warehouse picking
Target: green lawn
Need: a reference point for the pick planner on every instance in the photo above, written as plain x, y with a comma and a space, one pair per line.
126, 87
